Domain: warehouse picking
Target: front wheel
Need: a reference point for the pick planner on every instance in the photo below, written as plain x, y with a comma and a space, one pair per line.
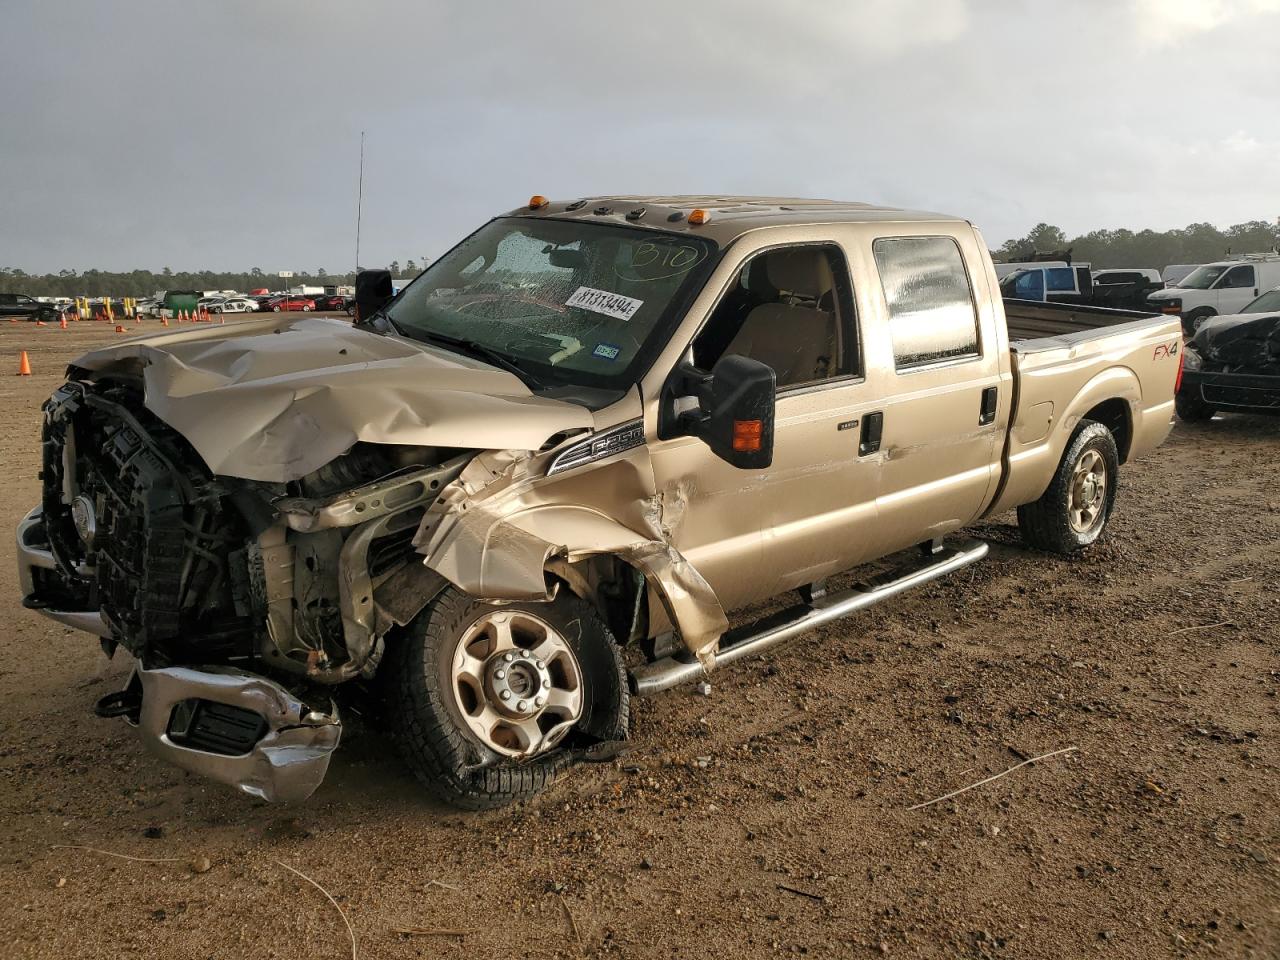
484, 700
1075, 509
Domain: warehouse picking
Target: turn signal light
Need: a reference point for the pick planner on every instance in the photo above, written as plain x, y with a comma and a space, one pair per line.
538, 201
1182, 365
699, 217
746, 435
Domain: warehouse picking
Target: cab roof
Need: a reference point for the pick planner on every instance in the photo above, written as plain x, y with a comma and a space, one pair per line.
730, 217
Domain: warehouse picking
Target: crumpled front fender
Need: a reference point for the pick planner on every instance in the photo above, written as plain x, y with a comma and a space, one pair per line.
499, 548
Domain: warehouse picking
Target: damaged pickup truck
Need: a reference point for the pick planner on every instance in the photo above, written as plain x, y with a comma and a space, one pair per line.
1232, 363
534, 483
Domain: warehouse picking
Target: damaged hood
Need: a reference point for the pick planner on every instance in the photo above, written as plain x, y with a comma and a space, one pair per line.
1248, 340
274, 400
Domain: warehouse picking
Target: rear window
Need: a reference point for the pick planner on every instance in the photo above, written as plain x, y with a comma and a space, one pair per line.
926, 288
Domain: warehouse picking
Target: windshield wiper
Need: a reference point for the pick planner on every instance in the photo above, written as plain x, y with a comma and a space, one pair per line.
481, 352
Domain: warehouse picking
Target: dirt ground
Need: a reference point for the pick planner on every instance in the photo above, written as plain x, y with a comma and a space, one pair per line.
766, 819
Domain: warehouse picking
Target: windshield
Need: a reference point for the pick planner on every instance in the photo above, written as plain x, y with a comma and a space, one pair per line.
567, 302
1264, 304
1202, 278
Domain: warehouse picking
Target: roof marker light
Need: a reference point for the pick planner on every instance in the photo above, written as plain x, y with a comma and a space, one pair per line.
698, 217
538, 201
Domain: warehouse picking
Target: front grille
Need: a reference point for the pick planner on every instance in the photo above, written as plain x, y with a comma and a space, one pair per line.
165, 553
1223, 395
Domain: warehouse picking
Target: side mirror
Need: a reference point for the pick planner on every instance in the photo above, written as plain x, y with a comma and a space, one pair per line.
734, 413
373, 292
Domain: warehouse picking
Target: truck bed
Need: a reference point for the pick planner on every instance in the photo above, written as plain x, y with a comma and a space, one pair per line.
1035, 326
1071, 362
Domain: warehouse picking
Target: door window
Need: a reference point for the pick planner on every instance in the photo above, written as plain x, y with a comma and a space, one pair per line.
1237, 277
932, 318
1029, 285
790, 308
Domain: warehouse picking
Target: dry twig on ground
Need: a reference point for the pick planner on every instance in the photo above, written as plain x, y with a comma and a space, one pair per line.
342, 913
956, 793
118, 856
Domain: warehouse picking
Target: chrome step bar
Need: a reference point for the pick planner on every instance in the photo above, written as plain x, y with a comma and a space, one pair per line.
670, 672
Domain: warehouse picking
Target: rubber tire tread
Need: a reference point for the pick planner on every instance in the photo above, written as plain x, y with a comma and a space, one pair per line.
443, 755
1046, 524
1191, 408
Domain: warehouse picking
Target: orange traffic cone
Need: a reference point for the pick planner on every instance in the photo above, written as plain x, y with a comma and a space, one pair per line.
24, 365
63, 322
222, 318
164, 321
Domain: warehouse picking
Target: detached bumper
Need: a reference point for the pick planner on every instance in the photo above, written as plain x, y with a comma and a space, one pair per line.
37, 569
1234, 392
237, 728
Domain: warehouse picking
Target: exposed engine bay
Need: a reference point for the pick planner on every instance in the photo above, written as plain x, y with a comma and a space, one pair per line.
191, 569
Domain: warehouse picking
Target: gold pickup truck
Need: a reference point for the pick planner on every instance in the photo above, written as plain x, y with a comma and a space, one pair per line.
537, 481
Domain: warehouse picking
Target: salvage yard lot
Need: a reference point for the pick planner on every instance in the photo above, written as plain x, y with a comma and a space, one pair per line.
766, 819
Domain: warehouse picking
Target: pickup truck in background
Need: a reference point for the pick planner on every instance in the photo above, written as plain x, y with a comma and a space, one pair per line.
591, 426
1232, 364
19, 305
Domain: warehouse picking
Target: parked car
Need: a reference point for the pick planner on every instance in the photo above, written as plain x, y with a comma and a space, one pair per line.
1232, 364
637, 416
27, 308
1050, 283
1217, 288
234, 305
279, 304
330, 301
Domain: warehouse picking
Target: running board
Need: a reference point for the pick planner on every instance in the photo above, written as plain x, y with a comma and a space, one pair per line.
756, 637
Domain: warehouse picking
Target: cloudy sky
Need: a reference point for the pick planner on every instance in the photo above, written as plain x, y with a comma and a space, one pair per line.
225, 135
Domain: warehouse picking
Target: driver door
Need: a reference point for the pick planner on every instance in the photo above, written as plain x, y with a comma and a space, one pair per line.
755, 533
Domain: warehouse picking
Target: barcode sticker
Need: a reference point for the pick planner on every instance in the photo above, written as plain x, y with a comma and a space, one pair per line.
602, 301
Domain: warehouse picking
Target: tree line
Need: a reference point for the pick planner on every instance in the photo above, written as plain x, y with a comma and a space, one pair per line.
141, 283
1194, 243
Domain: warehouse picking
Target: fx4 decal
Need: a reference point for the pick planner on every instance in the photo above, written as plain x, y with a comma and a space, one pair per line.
1165, 350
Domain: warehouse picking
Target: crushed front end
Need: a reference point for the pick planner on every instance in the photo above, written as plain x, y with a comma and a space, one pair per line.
244, 602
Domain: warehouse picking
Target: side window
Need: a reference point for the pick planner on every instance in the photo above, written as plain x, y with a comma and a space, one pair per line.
1237, 277
1029, 285
790, 308
931, 311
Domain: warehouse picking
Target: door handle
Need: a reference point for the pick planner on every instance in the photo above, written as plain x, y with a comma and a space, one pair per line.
872, 427
988, 412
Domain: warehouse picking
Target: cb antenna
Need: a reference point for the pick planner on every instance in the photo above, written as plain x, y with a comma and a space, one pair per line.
359, 200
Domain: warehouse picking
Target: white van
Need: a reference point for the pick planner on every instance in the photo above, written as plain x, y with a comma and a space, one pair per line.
1215, 288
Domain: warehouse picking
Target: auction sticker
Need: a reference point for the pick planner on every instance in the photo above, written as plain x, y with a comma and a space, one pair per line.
602, 301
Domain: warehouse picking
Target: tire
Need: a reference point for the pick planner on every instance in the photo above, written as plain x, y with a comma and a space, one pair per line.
1191, 322
1048, 523
427, 722
275, 309
1191, 407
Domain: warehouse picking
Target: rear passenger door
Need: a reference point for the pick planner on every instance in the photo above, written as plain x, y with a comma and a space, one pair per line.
946, 399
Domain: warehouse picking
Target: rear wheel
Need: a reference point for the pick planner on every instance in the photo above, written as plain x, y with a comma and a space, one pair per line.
1191, 407
1075, 509
485, 700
